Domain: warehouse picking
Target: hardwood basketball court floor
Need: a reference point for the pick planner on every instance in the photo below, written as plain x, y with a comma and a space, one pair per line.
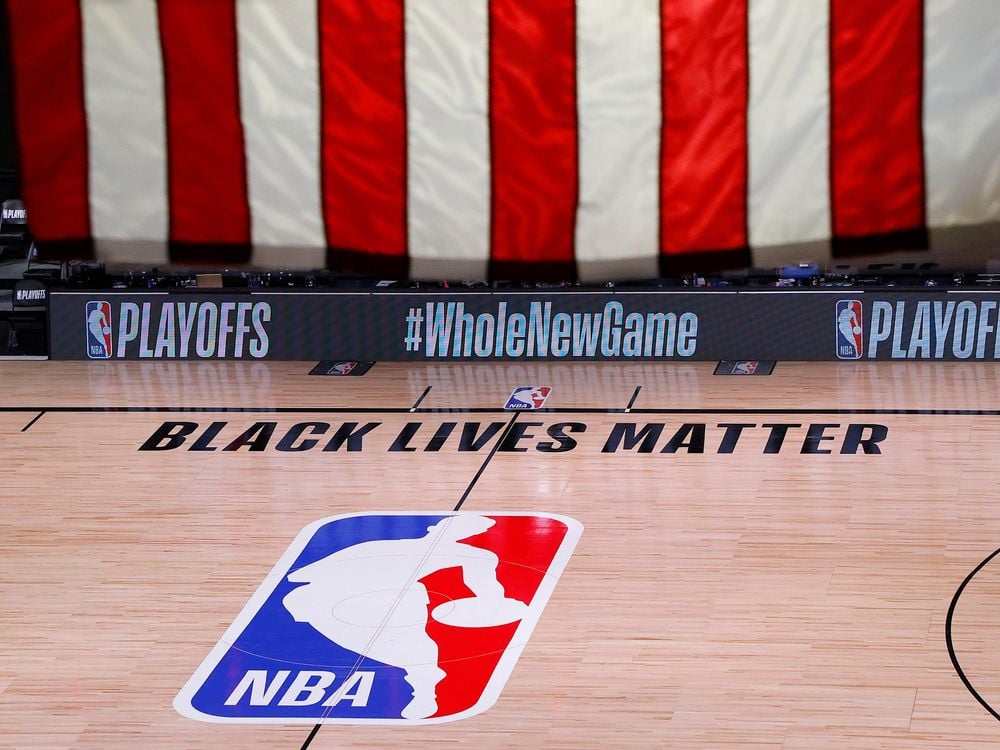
818, 577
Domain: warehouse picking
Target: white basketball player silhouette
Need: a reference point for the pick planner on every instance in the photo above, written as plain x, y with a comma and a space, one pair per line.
368, 598
847, 321
99, 326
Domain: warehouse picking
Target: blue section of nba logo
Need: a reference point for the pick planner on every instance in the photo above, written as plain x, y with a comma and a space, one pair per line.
278, 668
98, 316
850, 329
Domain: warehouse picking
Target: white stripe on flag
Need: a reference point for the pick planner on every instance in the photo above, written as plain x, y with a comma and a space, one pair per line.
789, 124
618, 100
279, 99
448, 137
962, 111
123, 80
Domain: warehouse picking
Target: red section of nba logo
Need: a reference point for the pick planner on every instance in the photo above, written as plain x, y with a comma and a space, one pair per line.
526, 546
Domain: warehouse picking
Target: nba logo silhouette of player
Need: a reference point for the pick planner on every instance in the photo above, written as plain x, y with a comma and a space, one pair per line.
849, 329
528, 397
748, 367
98, 330
389, 617
368, 598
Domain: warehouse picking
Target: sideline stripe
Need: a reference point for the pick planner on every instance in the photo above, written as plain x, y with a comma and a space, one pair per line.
448, 148
533, 143
493, 450
279, 99
37, 417
207, 205
703, 176
423, 395
123, 78
635, 395
961, 124
618, 97
480, 410
312, 734
876, 150
364, 127
789, 123
47, 50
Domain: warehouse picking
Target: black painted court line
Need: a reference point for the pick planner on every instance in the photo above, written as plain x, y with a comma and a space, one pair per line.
37, 417
422, 397
493, 450
458, 506
635, 395
312, 734
478, 410
948, 639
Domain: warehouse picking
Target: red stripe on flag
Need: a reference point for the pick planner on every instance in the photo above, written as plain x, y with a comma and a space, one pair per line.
703, 150
47, 47
207, 169
362, 74
876, 144
533, 130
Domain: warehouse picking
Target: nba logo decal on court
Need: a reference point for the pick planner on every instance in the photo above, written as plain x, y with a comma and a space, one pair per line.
386, 618
98, 330
528, 397
849, 329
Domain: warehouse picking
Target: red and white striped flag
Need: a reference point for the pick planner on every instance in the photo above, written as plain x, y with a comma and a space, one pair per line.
460, 138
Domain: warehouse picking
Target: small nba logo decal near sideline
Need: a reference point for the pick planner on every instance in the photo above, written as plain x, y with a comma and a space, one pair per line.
386, 618
528, 397
98, 330
849, 329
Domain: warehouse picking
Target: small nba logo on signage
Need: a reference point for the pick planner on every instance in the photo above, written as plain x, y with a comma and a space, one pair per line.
849, 329
386, 618
528, 397
99, 330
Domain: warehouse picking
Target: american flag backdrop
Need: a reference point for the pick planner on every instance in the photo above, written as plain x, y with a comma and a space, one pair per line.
465, 138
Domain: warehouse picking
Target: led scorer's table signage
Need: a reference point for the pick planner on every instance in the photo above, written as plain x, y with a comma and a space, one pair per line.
526, 326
